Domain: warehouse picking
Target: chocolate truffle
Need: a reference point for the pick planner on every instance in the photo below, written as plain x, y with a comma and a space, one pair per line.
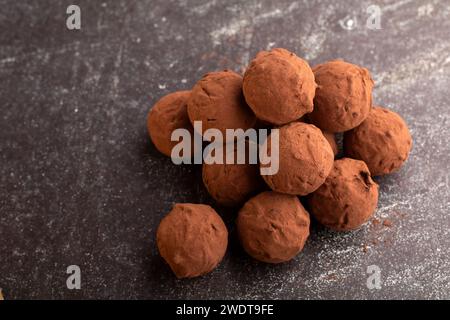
168, 114
383, 141
305, 159
231, 184
331, 138
343, 96
279, 86
348, 197
217, 101
273, 227
192, 239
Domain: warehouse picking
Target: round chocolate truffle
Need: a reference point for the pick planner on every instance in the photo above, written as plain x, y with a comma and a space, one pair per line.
382, 141
343, 96
168, 114
305, 159
273, 227
331, 138
347, 199
217, 101
192, 239
279, 86
231, 184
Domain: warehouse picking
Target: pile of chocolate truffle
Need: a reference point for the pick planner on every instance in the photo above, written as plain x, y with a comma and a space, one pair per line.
308, 106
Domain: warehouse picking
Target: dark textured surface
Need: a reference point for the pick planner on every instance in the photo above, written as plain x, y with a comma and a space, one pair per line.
80, 183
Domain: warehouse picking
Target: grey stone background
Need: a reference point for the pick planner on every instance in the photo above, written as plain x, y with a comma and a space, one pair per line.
80, 183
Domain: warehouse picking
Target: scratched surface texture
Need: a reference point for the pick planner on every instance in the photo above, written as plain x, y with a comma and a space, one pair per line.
80, 183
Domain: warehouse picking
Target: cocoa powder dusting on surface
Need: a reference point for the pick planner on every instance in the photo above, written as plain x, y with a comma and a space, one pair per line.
387, 223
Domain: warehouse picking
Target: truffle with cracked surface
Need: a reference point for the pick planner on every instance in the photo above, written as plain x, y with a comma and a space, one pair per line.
347, 199
382, 141
273, 227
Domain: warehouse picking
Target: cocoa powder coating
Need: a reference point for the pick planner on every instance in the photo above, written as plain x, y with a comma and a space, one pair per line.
343, 97
382, 141
192, 239
273, 227
168, 114
279, 86
347, 199
305, 159
231, 184
331, 138
307, 107
218, 102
